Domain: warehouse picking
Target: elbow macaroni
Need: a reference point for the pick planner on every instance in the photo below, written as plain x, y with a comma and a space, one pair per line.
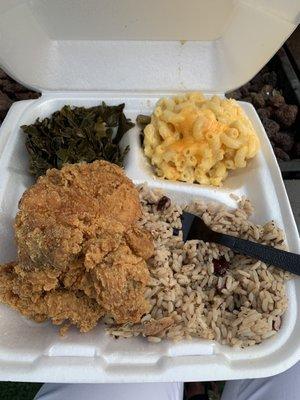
192, 139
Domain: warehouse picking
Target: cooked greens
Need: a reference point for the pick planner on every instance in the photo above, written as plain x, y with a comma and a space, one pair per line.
75, 134
143, 120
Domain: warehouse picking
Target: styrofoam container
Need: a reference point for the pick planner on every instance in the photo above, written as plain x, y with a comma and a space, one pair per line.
63, 49
36, 352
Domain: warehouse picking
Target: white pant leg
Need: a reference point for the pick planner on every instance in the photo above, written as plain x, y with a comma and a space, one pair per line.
284, 386
108, 391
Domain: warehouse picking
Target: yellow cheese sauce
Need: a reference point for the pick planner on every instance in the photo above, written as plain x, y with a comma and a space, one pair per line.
194, 139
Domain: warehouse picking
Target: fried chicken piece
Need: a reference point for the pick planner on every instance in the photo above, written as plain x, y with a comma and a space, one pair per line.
156, 327
116, 286
120, 282
117, 283
140, 241
80, 252
61, 211
57, 304
115, 274
35, 280
75, 307
106, 239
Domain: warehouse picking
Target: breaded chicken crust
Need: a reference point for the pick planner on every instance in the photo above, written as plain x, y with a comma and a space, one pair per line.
62, 210
81, 254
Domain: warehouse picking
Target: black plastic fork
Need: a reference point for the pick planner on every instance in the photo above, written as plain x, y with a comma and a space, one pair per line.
194, 228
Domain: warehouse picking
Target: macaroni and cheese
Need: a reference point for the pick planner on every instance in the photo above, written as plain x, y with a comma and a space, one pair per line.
193, 139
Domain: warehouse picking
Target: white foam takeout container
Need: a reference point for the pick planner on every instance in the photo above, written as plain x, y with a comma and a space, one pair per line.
73, 59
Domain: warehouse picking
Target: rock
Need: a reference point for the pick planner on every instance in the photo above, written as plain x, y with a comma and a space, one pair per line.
27, 95
258, 100
284, 141
296, 150
3, 75
255, 87
265, 112
235, 94
276, 100
11, 87
266, 91
270, 78
245, 89
270, 126
5, 103
248, 99
286, 115
4, 82
257, 82
281, 155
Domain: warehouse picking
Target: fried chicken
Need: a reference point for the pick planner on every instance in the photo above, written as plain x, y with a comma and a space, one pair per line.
120, 282
65, 208
81, 254
26, 292
154, 327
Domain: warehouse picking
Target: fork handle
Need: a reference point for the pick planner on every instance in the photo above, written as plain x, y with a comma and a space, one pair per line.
268, 254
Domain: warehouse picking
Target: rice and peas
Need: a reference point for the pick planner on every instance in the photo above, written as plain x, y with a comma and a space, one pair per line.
203, 289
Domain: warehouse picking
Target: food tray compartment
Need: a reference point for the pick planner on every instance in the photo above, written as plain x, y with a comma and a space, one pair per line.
40, 354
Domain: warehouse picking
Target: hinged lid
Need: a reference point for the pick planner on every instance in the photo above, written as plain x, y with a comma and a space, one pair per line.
141, 45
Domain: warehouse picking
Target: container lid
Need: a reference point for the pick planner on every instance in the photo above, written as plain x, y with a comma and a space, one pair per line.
134, 45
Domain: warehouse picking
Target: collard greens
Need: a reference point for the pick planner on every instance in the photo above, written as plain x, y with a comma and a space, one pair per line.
75, 134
